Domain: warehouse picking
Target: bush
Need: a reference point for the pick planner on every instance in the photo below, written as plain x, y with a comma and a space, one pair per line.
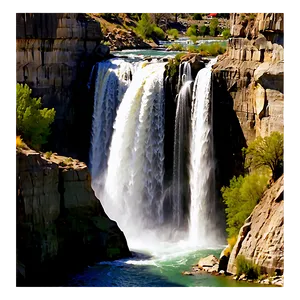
48, 154
173, 32
247, 267
240, 198
204, 30
213, 27
192, 31
159, 33
19, 142
266, 152
226, 33
33, 123
176, 47
145, 26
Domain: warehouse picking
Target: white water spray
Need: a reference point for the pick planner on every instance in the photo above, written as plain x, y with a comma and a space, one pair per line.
202, 168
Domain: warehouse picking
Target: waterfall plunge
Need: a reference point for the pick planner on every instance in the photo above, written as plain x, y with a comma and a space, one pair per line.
202, 168
134, 182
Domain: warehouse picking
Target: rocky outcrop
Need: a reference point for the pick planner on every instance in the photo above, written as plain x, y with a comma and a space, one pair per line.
247, 89
61, 225
261, 237
251, 72
55, 55
119, 39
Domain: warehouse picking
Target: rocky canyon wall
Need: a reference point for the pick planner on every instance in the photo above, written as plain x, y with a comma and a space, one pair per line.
55, 54
248, 87
61, 225
261, 237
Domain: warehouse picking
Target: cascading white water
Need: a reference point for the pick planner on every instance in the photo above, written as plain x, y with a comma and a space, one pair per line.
202, 167
185, 74
134, 182
180, 156
112, 80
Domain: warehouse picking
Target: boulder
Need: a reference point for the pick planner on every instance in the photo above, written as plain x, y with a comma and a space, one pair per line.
208, 261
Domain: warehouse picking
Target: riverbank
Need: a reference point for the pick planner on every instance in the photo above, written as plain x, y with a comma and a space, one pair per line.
214, 266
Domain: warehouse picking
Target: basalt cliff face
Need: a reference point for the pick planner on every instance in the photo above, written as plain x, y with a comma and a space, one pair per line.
261, 237
61, 225
55, 55
248, 87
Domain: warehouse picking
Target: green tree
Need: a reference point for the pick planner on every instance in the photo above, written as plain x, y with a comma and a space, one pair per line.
213, 27
240, 198
203, 30
266, 152
33, 123
145, 26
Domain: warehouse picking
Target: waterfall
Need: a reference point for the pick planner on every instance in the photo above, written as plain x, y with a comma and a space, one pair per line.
202, 168
180, 189
112, 80
134, 181
185, 74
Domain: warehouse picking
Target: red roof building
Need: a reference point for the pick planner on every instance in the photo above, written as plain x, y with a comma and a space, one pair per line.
213, 13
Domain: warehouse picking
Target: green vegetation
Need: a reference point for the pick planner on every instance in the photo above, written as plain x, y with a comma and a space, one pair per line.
145, 26
68, 161
176, 47
33, 123
159, 33
231, 242
173, 65
192, 30
226, 33
48, 154
213, 27
247, 267
240, 198
203, 30
266, 152
263, 156
173, 32
205, 49
19, 142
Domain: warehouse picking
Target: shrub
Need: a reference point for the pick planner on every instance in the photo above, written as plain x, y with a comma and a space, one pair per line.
159, 33
266, 152
33, 123
204, 30
173, 32
176, 47
232, 241
19, 142
192, 30
240, 198
226, 33
48, 154
247, 267
68, 161
193, 49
